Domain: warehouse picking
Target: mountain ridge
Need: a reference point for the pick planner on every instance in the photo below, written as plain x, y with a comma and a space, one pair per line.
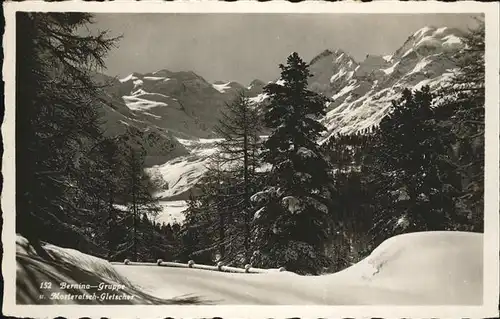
183, 106
361, 94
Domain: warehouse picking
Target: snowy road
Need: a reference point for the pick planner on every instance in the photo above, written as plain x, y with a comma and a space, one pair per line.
213, 287
217, 288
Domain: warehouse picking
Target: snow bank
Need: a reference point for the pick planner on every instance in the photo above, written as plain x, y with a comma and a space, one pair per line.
422, 31
171, 211
72, 277
338, 75
440, 30
387, 58
153, 97
429, 41
211, 141
433, 267
280, 82
420, 65
427, 268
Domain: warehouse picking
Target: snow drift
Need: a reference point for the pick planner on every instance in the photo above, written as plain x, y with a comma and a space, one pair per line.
426, 268
422, 268
55, 275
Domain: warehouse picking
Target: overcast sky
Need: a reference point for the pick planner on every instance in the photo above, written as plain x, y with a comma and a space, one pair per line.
243, 47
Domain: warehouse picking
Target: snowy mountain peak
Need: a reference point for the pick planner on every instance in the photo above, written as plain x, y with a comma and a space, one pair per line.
363, 99
332, 57
320, 56
423, 31
256, 83
181, 103
362, 92
431, 40
329, 69
185, 103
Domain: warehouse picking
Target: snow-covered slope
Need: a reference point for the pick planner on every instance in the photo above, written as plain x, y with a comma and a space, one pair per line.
182, 173
72, 277
183, 103
117, 119
427, 263
179, 177
362, 92
427, 268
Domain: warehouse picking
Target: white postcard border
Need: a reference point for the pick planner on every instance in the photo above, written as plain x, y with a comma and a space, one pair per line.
492, 160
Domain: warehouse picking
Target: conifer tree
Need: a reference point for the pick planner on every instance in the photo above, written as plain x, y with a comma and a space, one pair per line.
140, 200
465, 106
293, 223
56, 123
239, 130
412, 177
351, 197
105, 181
195, 232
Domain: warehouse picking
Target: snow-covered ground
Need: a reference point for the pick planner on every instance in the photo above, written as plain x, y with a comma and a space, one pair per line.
428, 268
55, 275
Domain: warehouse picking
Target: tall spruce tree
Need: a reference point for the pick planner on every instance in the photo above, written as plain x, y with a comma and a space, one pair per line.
410, 174
292, 223
465, 101
56, 123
